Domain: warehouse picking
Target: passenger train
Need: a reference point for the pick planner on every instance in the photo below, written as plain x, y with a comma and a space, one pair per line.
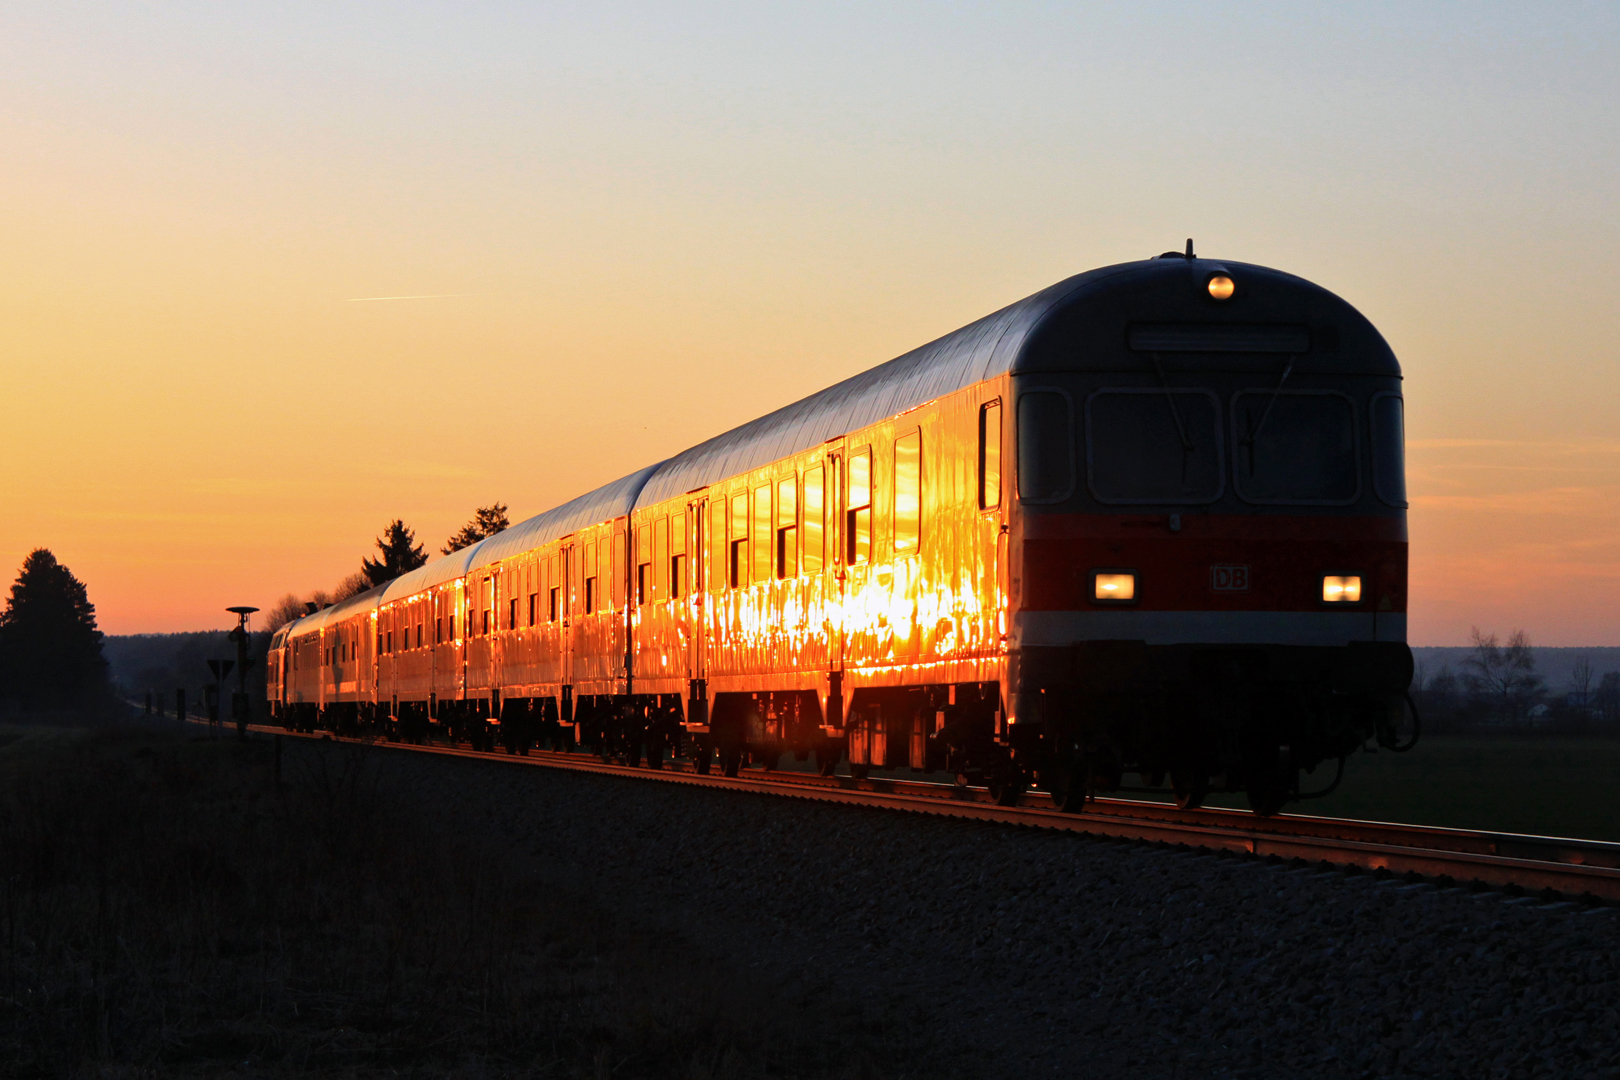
1143, 530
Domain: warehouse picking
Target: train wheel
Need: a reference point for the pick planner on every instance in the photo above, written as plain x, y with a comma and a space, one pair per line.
702, 756
1065, 782
860, 772
1190, 789
1269, 777
1006, 785
655, 754
827, 760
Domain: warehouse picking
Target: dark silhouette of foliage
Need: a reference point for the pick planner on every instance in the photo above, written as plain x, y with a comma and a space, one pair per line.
487, 521
50, 649
400, 554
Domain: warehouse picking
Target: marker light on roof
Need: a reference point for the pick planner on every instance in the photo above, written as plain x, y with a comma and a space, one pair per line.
1221, 287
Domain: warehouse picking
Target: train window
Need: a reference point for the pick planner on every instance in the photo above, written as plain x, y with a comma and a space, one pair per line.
418, 635
858, 511
591, 593
907, 494
737, 568
534, 606
787, 527
1389, 448
677, 555
761, 539
660, 559
511, 615
1295, 447
814, 499
552, 602
644, 564
718, 578
1153, 445
1045, 446
390, 641
990, 456
613, 552
438, 629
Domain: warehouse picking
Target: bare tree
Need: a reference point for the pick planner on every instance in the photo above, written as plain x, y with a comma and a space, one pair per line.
1505, 674
1607, 698
282, 612
353, 585
1581, 682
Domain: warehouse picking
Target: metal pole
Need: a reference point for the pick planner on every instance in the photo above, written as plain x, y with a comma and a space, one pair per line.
239, 701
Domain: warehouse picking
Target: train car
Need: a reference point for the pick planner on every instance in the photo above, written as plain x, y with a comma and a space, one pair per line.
1144, 529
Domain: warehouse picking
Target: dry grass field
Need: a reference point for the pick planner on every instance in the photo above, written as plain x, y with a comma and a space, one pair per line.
169, 910
1549, 786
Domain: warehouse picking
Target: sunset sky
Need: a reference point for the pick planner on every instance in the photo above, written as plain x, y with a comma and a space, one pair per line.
629, 227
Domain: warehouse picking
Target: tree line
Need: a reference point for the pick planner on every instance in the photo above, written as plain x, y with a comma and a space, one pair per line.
1498, 689
397, 553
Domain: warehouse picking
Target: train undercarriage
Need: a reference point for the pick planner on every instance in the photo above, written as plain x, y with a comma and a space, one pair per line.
1101, 717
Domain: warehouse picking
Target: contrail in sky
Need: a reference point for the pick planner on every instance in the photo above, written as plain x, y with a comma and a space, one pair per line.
423, 296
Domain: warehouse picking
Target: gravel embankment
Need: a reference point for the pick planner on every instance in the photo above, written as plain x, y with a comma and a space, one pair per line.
991, 951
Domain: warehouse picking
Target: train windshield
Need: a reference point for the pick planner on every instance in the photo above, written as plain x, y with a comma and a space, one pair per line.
1389, 448
1295, 446
1154, 446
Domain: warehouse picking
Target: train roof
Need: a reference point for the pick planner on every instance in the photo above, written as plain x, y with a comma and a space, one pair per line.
994, 345
972, 354
433, 572
332, 616
594, 507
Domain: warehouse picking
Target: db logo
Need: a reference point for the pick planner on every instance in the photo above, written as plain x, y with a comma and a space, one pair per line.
1229, 578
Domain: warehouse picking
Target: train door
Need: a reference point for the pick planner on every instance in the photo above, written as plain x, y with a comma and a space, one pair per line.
834, 579
565, 634
694, 569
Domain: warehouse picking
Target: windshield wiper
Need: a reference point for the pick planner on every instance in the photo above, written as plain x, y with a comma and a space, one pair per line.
1175, 414
1254, 432
1170, 399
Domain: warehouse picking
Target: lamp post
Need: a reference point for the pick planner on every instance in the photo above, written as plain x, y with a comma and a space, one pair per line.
239, 700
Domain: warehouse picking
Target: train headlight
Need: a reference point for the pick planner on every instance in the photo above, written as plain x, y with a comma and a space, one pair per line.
1113, 586
1341, 588
1221, 287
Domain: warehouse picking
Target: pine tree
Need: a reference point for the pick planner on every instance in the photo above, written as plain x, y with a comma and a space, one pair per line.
400, 554
50, 649
487, 521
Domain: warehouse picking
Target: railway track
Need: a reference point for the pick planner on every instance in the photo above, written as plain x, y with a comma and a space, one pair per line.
1534, 864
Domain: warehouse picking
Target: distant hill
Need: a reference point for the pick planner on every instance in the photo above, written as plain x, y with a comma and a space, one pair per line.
1553, 664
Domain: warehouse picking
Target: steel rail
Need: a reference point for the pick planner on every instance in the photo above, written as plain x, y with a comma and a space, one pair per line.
1531, 863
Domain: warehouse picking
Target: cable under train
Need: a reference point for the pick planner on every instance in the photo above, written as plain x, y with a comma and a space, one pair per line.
1143, 530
